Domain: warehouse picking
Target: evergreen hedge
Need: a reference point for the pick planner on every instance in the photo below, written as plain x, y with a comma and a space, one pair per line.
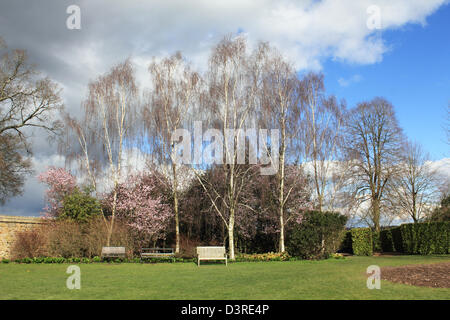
317, 236
426, 238
362, 243
412, 238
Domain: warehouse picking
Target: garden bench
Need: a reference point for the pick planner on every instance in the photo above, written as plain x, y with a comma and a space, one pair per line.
157, 253
211, 253
113, 252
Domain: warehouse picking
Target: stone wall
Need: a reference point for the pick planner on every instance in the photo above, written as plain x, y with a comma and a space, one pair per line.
9, 225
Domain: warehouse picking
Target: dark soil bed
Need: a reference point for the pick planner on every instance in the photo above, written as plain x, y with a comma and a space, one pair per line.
436, 275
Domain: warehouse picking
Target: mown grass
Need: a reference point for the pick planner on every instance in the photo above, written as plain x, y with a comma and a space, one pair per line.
328, 279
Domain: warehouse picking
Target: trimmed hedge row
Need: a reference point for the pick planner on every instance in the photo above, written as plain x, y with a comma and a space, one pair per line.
391, 240
426, 238
412, 238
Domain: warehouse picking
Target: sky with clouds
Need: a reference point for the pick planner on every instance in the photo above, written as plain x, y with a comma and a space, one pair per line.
406, 60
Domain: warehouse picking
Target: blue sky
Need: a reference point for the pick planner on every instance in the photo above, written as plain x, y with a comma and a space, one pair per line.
414, 75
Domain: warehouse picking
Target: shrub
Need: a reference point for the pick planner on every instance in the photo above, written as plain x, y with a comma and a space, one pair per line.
65, 239
362, 244
80, 206
426, 238
71, 239
317, 236
188, 248
30, 243
270, 256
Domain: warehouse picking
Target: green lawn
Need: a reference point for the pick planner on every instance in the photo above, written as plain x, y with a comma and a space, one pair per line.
328, 279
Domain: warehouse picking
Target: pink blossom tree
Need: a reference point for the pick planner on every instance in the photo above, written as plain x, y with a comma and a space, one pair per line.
139, 204
60, 183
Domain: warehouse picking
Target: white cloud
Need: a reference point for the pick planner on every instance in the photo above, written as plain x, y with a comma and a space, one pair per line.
343, 82
441, 166
307, 31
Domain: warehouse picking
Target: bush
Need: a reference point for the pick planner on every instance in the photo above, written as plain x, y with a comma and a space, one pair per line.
337, 256
317, 236
188, 247
80, 206
362, 244
71, 239
270, 256
30, 243
65, 239
426, 238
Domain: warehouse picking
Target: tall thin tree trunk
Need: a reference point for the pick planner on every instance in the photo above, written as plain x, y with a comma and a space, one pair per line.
282, 248
232, 199
113, 215
231, 235
281, 195
175, 206
376, 214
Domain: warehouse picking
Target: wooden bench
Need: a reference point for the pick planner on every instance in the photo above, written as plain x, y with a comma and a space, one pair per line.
113, 252
211, 253
157, 253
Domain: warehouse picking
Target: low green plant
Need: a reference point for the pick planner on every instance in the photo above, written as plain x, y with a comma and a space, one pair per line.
337, 256
256, 257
